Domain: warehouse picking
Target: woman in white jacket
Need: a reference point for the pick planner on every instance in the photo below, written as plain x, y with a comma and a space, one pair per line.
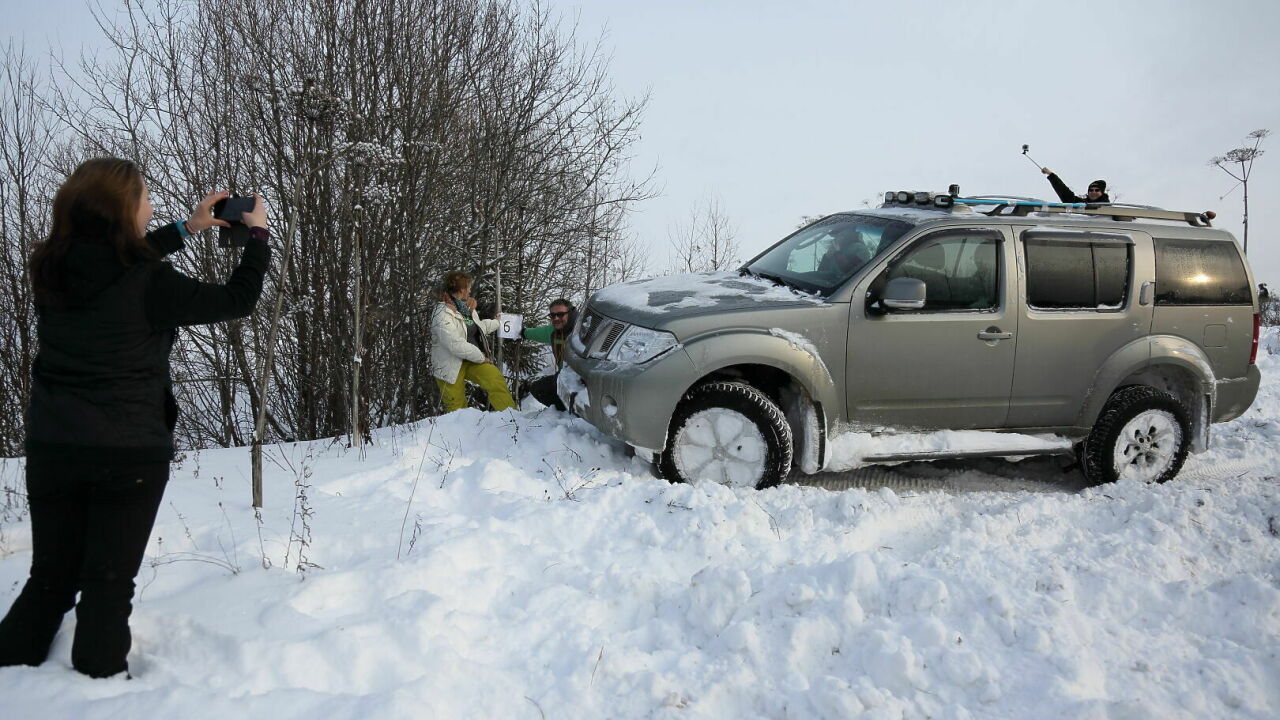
460, 350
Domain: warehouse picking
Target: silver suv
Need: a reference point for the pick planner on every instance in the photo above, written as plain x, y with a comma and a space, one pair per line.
932, 327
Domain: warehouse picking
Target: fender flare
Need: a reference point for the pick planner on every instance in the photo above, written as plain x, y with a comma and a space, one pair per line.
762, 348
1128, 360
1157, 351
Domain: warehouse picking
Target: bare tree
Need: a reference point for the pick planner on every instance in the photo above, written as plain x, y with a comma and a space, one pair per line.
706, 241
1244, 157
393, 141
27, 149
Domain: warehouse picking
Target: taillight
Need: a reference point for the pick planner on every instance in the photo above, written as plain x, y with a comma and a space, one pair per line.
1257, 327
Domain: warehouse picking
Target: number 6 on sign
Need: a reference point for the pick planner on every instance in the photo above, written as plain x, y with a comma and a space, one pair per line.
509, 326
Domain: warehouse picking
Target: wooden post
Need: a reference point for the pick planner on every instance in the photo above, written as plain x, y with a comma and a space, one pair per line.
497, 282
264, 370
357, 438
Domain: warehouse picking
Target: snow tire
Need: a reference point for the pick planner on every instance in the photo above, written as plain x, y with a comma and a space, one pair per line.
1142, 432
730, 433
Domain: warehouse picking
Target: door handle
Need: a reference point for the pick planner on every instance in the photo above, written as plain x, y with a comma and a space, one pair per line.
993, 333
1145, 293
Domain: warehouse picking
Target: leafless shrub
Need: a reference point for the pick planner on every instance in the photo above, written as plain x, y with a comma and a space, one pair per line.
390, 139
27, 184
706, 241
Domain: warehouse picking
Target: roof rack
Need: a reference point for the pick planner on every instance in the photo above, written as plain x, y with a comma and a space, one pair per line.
1021, 207
1017, 198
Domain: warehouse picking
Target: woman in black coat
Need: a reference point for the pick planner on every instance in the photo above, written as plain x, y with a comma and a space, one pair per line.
99, 426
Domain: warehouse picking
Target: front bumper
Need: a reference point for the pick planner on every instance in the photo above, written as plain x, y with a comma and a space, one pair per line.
632, 403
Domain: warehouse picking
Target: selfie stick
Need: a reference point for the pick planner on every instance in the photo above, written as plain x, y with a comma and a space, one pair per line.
1025, 148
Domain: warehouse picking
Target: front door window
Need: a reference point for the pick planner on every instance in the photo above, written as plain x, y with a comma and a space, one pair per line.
959, 272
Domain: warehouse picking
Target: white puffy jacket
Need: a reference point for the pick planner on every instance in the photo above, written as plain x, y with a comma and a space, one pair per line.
449, 346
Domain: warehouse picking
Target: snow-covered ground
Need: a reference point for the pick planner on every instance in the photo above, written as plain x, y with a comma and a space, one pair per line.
517, 565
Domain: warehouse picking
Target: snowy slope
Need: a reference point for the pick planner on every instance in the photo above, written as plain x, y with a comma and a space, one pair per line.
519, 566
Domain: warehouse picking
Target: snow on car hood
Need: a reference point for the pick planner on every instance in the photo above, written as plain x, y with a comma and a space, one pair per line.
696, 294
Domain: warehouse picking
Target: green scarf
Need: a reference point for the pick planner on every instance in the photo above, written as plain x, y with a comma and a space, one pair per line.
463, 310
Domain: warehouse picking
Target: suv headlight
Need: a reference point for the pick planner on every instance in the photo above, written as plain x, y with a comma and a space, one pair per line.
638, 345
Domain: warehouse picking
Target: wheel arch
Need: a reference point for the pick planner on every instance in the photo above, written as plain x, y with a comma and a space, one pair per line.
718, 352
798, 380
1173, 365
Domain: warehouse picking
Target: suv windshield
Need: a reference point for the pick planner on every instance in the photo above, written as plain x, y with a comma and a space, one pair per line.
820, 257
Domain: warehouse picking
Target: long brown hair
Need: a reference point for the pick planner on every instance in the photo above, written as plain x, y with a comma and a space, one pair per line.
98, 203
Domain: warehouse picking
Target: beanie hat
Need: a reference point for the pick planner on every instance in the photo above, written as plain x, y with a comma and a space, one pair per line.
1100, 184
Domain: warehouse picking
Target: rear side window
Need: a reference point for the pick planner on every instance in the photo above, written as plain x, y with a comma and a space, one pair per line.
1076, 275
1200, 272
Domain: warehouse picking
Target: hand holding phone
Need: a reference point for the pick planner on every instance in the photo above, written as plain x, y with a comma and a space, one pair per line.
202, 216
232, 208
241, 213
257, 215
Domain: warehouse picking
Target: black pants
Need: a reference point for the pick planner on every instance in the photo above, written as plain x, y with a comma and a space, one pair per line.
544, 389
89, 529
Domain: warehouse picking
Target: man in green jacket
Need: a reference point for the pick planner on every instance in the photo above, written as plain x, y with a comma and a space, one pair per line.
563, 316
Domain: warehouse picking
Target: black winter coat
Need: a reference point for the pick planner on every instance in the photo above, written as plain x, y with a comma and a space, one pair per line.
101, 390
1067, 196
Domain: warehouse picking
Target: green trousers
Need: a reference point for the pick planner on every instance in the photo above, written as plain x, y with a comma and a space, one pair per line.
487, 376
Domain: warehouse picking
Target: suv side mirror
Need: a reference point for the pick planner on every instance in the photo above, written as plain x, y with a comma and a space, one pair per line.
904, 293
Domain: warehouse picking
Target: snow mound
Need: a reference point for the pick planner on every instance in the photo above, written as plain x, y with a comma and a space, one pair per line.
520, 565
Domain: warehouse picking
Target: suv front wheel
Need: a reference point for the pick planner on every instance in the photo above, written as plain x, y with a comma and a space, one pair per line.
728, 433
1142, 434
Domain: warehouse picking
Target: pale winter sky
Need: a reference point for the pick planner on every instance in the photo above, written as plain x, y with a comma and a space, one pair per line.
782, 110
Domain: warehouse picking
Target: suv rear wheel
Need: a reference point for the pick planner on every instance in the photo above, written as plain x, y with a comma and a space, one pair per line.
1142, 434
729, 433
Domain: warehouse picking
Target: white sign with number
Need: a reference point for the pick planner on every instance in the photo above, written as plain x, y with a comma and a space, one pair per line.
509, 326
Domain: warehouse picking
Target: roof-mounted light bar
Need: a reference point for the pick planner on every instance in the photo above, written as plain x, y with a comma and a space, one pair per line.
922, 197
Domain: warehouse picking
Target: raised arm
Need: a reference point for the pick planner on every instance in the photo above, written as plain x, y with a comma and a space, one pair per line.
166, 240
1064, 192
174, 300
540, 333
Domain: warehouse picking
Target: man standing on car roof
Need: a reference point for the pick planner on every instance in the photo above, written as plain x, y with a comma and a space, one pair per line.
1097, 192
563, 316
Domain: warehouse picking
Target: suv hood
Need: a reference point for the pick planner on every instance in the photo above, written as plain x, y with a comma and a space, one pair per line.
657, 301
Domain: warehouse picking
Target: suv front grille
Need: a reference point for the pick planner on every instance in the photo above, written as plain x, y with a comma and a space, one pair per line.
611, 337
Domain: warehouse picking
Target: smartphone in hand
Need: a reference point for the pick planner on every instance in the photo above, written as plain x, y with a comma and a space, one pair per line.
231, 209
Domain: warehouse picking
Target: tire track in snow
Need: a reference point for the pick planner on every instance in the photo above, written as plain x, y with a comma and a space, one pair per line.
953, 476
960, 476
1198, 470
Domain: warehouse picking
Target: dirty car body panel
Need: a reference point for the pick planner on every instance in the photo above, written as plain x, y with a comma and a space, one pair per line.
1026, 324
